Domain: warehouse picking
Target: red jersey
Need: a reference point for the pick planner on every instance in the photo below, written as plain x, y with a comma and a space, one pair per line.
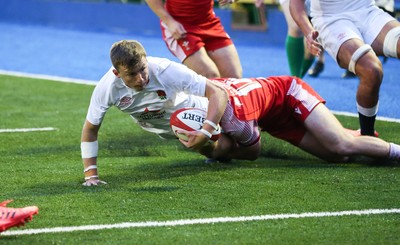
193, 12
279, 104
203, 27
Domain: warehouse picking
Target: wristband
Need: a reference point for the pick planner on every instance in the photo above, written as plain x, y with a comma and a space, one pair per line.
89, 149
212, 124
91, 177
89, 168
206, 133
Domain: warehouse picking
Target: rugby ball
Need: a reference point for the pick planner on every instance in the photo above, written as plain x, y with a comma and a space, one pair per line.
190, 119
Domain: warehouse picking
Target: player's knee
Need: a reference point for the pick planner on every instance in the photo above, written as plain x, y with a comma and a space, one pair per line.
233, 72
209, 73
343, 147
370, 71
361, 51
391, 43
212, 75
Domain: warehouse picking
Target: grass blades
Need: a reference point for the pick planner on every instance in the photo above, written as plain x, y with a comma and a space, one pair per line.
150, 179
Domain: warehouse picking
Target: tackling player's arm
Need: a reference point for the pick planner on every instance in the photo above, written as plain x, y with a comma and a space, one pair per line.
217, 101
298, 12
174, 27
89, 150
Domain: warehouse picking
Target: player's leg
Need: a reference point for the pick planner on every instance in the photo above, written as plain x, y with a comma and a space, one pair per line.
361, 60
382, 32
294, 43
343, 40
318, 67
299, 59
201, 63
226, 148
388, 41
227, 60
191, 52
326, 137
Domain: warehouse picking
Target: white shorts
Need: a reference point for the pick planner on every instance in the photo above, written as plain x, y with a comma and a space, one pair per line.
364, 24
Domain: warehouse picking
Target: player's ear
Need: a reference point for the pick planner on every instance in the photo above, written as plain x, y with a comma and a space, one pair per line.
116, 73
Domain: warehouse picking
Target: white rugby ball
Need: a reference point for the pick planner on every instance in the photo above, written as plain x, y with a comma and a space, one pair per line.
190, 119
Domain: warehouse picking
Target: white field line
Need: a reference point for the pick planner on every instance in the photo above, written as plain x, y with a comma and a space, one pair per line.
24, 130
90, 82
198, 221
47, 77
349, 114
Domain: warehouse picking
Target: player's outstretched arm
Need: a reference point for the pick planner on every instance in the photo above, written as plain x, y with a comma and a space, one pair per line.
89, 151
174, 27
298, 12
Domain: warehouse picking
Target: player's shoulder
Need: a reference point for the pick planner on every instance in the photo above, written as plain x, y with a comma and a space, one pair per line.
158, 63
109, 81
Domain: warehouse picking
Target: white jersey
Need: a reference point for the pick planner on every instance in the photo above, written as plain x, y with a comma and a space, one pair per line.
340, 20
333, 7
172, 86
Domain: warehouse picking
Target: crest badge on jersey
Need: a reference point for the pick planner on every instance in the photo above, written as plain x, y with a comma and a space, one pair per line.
124, 101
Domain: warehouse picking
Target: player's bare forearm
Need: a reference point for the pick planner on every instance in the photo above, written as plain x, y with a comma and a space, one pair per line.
227, 148
89, 151
218, 99
298, 12
157, 6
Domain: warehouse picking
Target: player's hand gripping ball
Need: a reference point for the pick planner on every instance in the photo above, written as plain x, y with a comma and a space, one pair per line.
190, 119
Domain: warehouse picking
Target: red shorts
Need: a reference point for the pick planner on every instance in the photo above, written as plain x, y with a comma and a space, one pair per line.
211, 36
279, 104
287, 120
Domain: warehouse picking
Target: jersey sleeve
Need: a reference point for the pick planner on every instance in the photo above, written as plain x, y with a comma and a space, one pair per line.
180, 78
100, 102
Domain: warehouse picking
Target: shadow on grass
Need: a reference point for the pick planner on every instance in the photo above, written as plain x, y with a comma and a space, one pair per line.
133, 163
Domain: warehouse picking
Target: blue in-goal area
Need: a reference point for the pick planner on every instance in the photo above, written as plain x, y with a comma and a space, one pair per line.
72, 39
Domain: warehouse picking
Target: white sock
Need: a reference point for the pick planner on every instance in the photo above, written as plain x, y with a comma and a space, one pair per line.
394, 151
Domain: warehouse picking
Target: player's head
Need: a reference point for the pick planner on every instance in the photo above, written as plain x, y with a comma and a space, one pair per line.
128, 53
129, 60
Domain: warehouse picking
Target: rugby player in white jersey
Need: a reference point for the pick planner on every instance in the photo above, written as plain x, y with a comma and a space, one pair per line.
150, 89
354, 33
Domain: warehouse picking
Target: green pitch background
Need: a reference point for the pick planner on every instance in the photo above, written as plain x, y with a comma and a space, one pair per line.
154, 180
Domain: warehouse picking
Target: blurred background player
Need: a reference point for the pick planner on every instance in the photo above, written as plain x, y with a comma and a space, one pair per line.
354, 33
11, 217
299, 59
385, 5
195, 35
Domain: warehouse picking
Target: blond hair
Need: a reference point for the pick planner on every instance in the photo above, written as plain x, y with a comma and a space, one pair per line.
126, 53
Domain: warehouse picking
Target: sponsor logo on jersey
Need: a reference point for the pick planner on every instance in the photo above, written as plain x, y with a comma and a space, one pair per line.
150, 115
125, 101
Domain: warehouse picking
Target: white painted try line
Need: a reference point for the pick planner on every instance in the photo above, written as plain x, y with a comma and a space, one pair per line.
198, 221
48, 77
24, 130
386, 119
